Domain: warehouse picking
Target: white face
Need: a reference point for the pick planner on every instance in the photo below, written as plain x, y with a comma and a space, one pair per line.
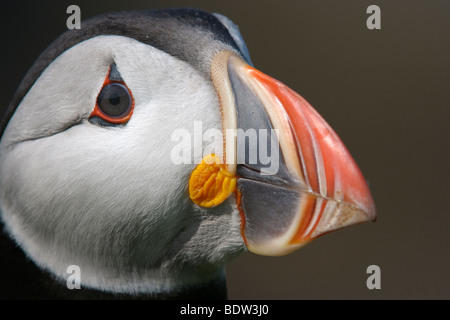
110, 199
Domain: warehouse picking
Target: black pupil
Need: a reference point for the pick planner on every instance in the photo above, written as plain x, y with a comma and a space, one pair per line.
114, 100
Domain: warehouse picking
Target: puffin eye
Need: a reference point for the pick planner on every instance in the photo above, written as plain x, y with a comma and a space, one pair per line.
114, 100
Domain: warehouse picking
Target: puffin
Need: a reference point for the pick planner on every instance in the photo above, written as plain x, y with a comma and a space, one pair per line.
146, 150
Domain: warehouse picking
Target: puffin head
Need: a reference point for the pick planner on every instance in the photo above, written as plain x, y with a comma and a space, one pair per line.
147, 150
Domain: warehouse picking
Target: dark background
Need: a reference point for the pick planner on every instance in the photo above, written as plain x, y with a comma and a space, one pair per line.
385, 92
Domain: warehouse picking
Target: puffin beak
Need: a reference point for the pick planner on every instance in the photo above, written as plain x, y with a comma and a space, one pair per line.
295, 178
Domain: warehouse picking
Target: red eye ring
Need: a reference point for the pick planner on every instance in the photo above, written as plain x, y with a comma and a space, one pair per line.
114, 100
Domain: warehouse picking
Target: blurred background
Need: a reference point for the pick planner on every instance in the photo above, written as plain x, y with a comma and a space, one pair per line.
385, 92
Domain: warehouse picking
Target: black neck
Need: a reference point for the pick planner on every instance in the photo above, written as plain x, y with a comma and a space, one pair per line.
20, 278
